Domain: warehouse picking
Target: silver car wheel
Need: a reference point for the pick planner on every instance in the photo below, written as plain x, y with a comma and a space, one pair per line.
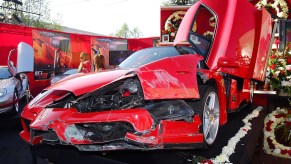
211, 118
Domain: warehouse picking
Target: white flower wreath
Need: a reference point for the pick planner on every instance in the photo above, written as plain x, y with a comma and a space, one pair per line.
230, 148
271, 119
178, 15
280, 6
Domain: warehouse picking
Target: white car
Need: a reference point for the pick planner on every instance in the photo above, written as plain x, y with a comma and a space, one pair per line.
13, 80
12, 89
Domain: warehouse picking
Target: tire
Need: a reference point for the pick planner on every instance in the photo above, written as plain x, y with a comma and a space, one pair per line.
209, 111
252, 89
27, 93
16, 105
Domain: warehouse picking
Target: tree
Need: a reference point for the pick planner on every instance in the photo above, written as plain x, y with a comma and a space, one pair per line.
135, 33
35, 13
125, 32
178, 2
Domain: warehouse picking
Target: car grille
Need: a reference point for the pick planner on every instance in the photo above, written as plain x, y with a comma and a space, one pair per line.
50, 136
105, 132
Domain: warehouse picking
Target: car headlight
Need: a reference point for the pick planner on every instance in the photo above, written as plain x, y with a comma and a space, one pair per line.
73, 132
39, 97
3, 92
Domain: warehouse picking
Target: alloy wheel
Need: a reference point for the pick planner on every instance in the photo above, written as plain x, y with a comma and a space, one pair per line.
211, 118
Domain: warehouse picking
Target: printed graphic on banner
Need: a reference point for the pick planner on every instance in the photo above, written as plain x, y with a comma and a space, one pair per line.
114, 50
53, 53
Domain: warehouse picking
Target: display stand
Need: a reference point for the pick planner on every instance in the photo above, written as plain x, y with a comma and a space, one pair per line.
175, 14
270, 99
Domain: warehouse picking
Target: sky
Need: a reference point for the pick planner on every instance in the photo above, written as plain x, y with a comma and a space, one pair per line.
107, 16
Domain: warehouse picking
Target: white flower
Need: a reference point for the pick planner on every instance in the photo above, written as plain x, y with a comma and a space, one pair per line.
278, 5
264, 2
173, 34
280, 14
221, 159
277, 151
230, 148
277, 73
271, 135
280, 68
285, 83
267, 134
273, 118
268, 72
288, 67
267, 80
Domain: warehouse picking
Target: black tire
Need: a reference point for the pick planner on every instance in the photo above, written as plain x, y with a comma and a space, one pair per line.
15, 109
27, 93
252, 90
201, 107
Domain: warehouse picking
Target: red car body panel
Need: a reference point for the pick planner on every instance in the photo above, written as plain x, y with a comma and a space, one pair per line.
140, 117
88, 83
242, 35
169, 132
170, 78
158, 80
259, 61
143, 115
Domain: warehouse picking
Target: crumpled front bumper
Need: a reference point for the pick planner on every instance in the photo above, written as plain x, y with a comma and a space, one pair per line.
108, 130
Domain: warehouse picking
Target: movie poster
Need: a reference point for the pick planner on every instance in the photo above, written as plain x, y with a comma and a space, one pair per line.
104, 46
53, 53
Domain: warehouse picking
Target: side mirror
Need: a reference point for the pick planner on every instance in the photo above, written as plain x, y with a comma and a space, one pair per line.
226, 63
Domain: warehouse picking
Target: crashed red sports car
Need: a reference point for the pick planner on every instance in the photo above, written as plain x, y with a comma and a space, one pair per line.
162, 97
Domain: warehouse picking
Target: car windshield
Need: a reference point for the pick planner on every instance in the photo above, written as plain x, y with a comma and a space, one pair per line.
4, 73
71, 71
148, 55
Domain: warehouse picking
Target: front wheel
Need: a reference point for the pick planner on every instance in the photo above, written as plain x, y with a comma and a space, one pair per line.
209, 111
252, 89
27, 93
16, 104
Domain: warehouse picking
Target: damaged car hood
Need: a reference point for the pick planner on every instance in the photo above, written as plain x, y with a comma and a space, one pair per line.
158, 80
89, 82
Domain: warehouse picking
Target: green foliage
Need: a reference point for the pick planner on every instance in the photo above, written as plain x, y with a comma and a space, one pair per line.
33, 13
135, 33
125, 32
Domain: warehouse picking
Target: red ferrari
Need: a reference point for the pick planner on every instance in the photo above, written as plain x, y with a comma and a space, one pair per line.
162, 97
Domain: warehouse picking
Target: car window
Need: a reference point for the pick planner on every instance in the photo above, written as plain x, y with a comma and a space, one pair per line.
148, 55
71, 71
203, 31
4, 73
